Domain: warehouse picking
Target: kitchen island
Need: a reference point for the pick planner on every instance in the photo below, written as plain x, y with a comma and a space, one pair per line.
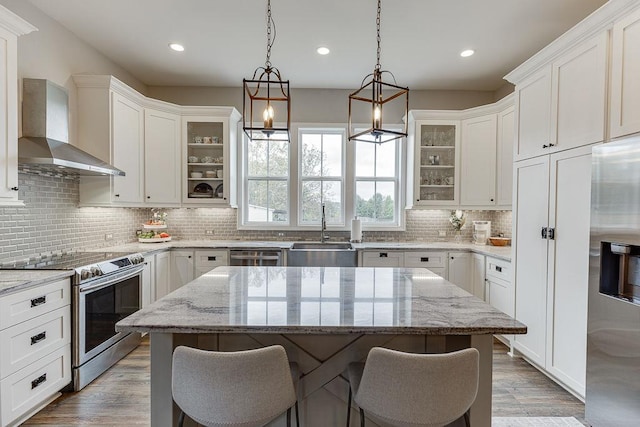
325, 318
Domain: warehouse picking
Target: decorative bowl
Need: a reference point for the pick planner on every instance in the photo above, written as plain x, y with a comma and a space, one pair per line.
500, 241
196, 174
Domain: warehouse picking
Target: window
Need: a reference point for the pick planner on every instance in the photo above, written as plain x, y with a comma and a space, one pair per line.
377, 183
321, 168
266, 194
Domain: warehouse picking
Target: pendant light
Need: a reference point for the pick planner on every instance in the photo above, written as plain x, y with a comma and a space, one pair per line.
372, 97
266, 100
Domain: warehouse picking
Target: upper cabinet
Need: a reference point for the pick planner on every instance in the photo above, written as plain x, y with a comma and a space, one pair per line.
155, 144
625, 69
563, 105
11, 26
506, 136
479, 159
209, 141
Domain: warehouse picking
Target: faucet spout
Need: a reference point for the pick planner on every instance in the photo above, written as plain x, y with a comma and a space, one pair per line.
323, 226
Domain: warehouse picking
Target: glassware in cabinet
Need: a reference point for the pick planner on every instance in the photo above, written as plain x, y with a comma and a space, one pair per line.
437, 159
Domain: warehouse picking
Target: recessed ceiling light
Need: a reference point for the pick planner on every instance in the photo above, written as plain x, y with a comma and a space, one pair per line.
176, 46
323, 50
467, 52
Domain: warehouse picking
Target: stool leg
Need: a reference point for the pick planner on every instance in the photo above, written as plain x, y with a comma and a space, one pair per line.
297, 415
349, 406
361, 417
467, 421
181, 419
289, 417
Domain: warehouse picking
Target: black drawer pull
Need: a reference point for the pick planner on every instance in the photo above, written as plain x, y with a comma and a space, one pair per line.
35, 383
38, 301
37, 338
425, 259
498, 269
211, 258
383, 255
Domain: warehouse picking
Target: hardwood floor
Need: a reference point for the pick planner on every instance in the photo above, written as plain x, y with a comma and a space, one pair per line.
121, 395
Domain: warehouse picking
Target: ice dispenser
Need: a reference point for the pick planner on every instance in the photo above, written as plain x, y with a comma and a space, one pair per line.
620, 271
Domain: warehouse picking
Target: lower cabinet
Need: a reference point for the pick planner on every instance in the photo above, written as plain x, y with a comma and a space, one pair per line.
182, 268
162, 274
148, 281
210, 259
435, 261
382, 259
35, 356
499, 290
477, 272
460, 270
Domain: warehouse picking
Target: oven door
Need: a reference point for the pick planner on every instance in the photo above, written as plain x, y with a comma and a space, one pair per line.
99, 305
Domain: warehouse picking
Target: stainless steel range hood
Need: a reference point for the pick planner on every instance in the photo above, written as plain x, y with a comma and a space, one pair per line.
45, 127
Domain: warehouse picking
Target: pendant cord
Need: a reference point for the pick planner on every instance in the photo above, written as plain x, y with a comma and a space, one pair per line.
270, 41
378, 34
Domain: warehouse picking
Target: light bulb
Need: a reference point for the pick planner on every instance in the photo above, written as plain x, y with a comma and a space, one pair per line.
267, 115
377, 113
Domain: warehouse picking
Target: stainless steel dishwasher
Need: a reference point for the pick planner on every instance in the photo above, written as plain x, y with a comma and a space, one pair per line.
255, 257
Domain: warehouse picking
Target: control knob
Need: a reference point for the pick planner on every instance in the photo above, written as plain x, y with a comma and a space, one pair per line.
137, 259
95, 271
85, 274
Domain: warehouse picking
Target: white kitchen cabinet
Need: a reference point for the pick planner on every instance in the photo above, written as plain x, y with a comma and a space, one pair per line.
436, 261
162, 274
477, 273
382, 259
35, 357
127, 146
209, 140
504, 166
182, 268
553, 197
162, 157
478, 161
460, 270
433, 155
562, 105
625, 69
11, 26
207, 260
499, 291
148, 281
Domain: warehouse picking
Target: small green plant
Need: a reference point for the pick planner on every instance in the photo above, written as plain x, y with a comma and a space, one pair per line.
457, 219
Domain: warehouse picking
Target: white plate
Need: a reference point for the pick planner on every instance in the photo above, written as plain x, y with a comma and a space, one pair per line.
156, 240
154, 227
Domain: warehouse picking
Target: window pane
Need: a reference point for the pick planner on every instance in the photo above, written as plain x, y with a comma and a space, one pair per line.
375, 201
332, 197
257, 158
365, 159
279, 201
385, 203
385, 159
311, 154
332, 155
278, 158
258, 207
365, 204
311, 201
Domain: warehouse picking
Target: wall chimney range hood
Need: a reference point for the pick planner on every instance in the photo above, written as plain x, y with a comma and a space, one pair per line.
45, 128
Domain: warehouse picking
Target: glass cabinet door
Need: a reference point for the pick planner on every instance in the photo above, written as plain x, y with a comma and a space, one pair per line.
205, 161
437, 157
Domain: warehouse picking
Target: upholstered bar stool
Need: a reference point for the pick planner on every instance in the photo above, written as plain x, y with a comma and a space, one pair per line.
412, 390
241, 388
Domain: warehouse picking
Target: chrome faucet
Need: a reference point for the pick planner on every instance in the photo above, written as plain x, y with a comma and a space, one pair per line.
323, 230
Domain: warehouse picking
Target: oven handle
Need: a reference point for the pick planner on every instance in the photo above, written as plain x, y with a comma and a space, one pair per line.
111, 280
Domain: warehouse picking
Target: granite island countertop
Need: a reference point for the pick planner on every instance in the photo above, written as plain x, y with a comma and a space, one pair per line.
502, 252
321, 300
17, 280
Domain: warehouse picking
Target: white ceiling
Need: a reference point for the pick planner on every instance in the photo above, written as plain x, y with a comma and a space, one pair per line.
225, 40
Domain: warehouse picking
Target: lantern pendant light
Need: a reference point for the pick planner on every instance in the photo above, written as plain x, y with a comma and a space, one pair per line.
372, 98
266, 100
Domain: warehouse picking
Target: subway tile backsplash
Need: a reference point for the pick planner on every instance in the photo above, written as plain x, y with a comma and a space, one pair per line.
50, 221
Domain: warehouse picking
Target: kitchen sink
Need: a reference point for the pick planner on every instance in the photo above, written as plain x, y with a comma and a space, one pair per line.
324, 246
317, 254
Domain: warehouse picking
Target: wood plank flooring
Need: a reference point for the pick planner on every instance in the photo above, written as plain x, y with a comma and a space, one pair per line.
120, 397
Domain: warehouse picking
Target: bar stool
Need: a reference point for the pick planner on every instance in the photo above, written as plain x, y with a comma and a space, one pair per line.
408, 389
241, 388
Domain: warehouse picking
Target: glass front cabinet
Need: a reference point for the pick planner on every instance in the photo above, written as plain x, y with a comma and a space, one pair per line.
435, 155
210, 140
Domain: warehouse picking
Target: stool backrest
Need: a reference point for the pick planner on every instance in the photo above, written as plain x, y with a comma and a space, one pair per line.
418, 389
243, 388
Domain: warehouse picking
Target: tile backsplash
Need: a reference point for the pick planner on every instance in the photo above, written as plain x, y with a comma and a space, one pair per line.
51, 221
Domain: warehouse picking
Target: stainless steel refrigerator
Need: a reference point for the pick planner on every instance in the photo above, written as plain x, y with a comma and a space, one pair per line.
613, 327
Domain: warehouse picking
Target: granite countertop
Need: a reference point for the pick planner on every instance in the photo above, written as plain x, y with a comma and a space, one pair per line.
319, 300
502, 252
17, 280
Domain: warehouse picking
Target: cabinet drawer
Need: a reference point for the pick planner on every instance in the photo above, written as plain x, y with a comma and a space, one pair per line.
500, 296
440, 271
28, 341
27, 304
425, 259
382, 259
29, 387
498, 269
212, 258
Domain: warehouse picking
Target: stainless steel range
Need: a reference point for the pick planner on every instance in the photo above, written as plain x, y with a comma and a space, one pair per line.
106, 287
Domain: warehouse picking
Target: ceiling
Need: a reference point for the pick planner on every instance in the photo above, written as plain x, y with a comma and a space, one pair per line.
225, 40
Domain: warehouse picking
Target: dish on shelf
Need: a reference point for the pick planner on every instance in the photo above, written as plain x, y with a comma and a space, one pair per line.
200, 195
154, 239
219, 191
203, 188
154, 226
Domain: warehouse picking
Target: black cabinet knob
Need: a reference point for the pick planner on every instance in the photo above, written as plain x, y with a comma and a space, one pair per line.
148, 197
14, 188
116, 195
545, 146
492, 200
